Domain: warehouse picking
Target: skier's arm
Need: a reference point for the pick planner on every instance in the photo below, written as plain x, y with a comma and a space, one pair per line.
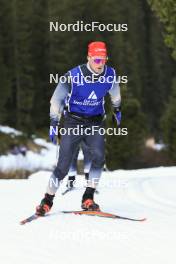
57, 101
115, 95
116, 102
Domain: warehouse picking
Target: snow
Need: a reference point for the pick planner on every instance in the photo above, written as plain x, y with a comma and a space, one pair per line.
46, 159
10, 130
70, 239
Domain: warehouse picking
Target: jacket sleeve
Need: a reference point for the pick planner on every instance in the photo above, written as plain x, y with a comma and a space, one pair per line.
115, 95
57, 101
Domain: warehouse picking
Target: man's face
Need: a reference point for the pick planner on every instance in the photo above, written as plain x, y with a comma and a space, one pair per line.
97, 63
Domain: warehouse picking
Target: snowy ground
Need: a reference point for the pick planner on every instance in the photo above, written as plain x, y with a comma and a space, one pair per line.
46, 159
69, 239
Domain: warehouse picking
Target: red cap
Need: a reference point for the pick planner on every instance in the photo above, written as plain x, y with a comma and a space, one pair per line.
97, 48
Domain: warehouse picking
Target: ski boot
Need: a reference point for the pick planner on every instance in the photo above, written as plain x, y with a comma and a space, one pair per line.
88, 203
45, 205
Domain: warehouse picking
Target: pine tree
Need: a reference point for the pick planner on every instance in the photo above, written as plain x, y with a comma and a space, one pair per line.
166, 11
159, 74
7, 105
168, 123
5, 88
23, 67
122, 149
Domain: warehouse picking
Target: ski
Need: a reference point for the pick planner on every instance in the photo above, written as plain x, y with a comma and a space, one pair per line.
83, 212
29, 219
103, 214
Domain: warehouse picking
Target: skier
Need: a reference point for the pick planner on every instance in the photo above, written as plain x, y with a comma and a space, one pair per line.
73, 168
86, 110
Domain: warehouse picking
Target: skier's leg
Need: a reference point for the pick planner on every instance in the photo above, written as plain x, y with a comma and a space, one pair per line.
73, 168
97, 148
87, 159
68, 146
